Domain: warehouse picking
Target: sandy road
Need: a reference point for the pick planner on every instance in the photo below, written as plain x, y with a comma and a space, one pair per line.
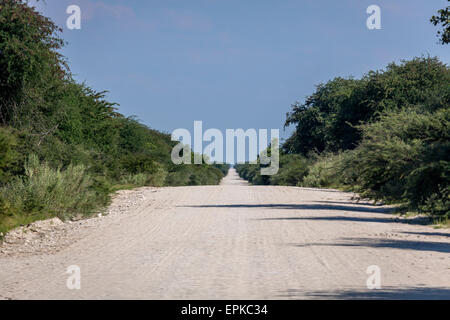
235, 241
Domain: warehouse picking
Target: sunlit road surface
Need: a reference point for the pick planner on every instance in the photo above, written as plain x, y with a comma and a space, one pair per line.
237, 241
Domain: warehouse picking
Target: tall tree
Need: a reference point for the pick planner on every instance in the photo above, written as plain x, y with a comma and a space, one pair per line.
329, 118
443, 19
29, 55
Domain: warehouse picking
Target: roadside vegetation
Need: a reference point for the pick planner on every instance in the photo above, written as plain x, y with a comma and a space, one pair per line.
385, 136
64, 149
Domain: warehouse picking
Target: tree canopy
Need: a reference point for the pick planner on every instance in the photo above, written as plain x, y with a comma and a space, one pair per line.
443, 20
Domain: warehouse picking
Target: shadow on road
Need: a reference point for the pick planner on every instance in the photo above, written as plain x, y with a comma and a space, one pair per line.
357, 208
392, 218
410, 293
355, 203
332, 218
435, 234
443, 247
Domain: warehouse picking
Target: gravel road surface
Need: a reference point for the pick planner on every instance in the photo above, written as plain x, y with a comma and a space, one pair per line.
232, 241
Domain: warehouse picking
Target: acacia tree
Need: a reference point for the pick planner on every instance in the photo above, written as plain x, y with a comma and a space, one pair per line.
443, 19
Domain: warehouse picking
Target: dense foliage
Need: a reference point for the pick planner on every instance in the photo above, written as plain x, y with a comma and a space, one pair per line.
405, 157
328, 120
385, 136
63, 147
443, 20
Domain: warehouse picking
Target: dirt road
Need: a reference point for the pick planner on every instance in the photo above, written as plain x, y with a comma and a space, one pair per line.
236, 241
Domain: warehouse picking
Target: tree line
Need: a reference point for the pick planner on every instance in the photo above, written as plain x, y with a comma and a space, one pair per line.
64, 148
384, 136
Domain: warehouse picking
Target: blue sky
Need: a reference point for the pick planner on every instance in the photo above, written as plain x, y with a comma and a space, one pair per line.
234, 64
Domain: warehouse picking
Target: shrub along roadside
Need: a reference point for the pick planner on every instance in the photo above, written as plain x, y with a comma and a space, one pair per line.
404, 158
46, 192
64, 149
8, 154
385, 136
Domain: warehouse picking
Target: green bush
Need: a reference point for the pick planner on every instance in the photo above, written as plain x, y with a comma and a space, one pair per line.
404, 158
323, 172
296, 170
328, 119
8, 155
50, 192
252, 173
6, 217
179, 177
224, 168
293, 169
158, 177
194, 175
